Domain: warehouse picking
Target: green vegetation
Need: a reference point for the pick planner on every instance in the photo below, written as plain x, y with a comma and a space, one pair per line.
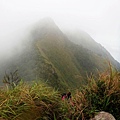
82, 38
70, 62
38, 101
29, 102
50, 56
58, 65
101, 94
12, 79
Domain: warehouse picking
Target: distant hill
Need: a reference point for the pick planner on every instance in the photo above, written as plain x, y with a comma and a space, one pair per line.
51, 56
82, 38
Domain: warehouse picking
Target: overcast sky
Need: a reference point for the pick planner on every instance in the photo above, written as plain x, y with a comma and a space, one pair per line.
99, 18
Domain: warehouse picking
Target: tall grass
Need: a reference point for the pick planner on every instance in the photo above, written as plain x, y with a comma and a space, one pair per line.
30, 102
101, 94
38, 101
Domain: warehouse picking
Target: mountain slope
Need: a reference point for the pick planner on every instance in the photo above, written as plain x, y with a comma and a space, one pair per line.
51, 57
81, 38
71, 62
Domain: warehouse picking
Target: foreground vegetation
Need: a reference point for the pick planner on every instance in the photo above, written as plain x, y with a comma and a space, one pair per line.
38, 101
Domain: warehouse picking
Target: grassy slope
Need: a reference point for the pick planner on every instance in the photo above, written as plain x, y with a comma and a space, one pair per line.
38, 101
60, 58
71, 62
54, 59
82, 38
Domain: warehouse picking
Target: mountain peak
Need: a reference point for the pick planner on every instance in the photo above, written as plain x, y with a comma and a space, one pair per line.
47, 20
46, 27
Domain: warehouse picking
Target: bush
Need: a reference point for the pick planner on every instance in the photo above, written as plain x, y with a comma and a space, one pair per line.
36, 101
11, 80
102, 94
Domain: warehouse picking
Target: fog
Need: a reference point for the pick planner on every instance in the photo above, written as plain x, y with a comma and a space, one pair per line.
99, 18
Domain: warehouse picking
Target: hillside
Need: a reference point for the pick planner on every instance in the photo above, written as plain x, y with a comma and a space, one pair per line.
38, 101
51, 57
82, 38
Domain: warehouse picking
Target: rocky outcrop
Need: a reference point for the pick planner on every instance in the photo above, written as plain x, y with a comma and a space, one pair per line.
103, 116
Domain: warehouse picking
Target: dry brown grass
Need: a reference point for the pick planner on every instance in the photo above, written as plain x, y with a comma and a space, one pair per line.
41, 102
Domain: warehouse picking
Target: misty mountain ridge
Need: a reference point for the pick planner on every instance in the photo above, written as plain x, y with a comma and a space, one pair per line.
63, 60
82, 38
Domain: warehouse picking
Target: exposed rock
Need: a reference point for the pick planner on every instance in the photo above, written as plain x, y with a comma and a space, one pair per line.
103, 116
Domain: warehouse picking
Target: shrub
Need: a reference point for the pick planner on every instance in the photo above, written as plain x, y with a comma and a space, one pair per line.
102, 94
36, 101
12, 79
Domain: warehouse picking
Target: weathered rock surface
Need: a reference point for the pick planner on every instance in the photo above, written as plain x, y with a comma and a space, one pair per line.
103, 116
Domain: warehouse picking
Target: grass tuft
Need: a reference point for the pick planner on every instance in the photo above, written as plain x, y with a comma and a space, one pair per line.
38, 101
